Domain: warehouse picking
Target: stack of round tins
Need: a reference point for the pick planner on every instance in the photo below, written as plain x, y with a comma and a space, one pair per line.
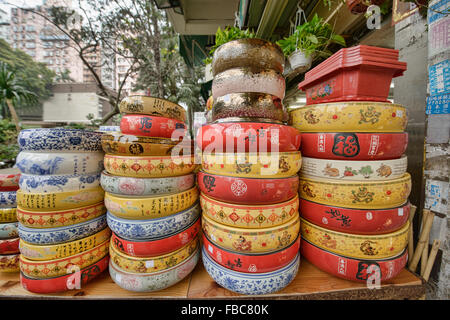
249, 182
353, 187
9, 237
151, 196
60, 209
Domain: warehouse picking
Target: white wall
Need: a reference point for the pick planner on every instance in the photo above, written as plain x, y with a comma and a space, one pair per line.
71, 107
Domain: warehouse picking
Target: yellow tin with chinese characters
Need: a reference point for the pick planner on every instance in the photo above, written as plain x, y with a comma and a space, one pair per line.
249, 216
150, 207
253, 165
152, 106
8, 215
149, 166
152, 264
55, 219
356, 194
62, 250
350, 117
246, 240
61, 267
58, 201
122, 144
356, 246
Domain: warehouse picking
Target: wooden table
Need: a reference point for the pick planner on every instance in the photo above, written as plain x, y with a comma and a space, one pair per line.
310, 283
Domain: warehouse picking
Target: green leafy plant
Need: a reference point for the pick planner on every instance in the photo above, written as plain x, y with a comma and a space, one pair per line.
312, 37
227, 35
8, 143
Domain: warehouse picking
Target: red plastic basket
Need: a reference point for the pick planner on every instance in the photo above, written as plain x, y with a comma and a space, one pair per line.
361, 73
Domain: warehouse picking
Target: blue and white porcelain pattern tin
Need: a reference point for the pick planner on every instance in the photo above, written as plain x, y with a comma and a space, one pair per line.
9, 230
153, 228
8, 199
251, 283
58, 183
149, 282
60, 163
109, 129
59, 139
62, 234
145, 186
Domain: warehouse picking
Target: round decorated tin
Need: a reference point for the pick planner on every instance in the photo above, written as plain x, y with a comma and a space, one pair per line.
370, 247
38, 252
55, 219
58, 163
61, 267
247, 80
248, 137
263, 240
354, 269
152, 264
150, 282
132, 186
249, 191
152, 106
249, 216
356, 194
9, 230
123, 145
251, 283
9, 181
359, 221
62, 234
150, 166
157, 246
252, 52
8, 199
67, 282
252, 165
354, 145
350, 117
149, 126
59, 139
251, 263
354, 170
155, 227
8, 215
150, 207
9, 263
31, 183
9, 246
59, 201
253, 105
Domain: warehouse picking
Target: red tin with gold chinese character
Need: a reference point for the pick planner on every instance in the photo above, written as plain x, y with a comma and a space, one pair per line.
151, 126
249, 191
354, 145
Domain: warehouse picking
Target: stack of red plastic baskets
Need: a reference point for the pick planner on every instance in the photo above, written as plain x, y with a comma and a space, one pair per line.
353, 184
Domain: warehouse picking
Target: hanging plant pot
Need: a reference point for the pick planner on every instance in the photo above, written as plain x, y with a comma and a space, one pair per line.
360, 6
299, 62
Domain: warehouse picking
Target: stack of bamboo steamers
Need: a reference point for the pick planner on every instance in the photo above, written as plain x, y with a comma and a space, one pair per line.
353, 183
151, 196
9, 237
64, 238
249, 179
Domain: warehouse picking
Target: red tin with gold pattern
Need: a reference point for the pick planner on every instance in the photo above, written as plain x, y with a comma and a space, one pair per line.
354, 146
251, 263
157, 247
248, 190
248, 137
354, 269
9, 182
356, 221
9, 246
64, 283
150, 126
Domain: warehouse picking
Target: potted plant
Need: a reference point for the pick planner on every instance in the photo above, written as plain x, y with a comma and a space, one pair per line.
222, 37
310, 41
360, 6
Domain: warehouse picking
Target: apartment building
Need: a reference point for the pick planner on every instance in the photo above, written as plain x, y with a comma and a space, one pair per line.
4, 26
